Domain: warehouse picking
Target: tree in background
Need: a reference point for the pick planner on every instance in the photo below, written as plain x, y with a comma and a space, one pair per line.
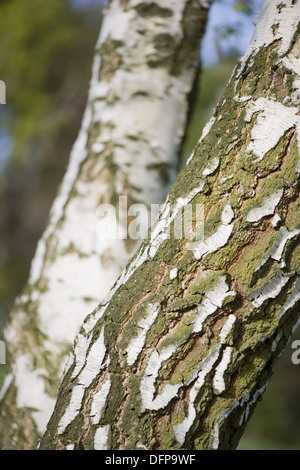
128, 146
46, 53
180, 352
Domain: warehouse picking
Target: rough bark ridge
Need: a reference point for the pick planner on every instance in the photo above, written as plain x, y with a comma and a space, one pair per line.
185, 344
144, 68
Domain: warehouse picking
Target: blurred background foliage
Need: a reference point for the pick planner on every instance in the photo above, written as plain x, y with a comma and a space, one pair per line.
45, 61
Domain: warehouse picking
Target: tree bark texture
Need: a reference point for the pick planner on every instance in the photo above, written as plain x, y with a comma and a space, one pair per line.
144, 68
185, 344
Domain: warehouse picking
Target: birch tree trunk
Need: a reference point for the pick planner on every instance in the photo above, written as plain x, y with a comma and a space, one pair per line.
183, 348
144, 69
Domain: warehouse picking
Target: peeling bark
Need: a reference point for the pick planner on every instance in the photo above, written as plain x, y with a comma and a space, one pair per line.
184, 358
144, 69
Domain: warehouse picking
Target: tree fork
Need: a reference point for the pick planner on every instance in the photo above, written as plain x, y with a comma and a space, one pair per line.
183, 347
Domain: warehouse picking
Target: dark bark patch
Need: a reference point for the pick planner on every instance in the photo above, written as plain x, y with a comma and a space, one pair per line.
153, 9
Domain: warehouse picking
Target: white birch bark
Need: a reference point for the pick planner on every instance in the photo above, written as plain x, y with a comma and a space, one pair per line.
144, 69
181, 362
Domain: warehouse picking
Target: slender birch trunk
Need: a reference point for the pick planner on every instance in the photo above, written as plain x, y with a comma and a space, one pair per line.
144, 68
184, 346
